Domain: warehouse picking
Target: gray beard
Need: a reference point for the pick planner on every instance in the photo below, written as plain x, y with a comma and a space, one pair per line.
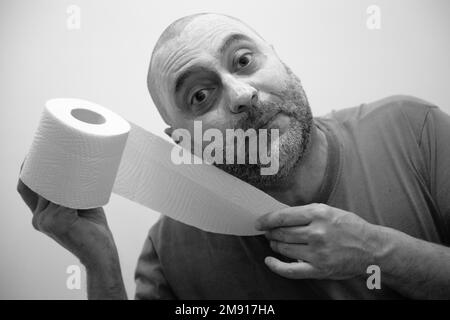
294, 142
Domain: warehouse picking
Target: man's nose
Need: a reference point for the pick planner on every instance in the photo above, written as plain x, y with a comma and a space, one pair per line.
242, 95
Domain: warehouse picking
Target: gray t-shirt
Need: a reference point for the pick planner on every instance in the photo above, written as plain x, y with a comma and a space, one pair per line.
389, 163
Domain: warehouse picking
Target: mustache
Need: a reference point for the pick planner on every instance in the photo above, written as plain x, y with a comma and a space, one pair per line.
258, 118
260, 115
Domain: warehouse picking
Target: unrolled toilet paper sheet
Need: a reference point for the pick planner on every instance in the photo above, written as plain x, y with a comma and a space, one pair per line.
77, 158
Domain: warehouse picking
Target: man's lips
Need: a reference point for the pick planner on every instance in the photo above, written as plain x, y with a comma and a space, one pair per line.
266, 119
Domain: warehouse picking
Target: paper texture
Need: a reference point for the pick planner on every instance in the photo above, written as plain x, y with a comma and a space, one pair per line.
72, 162
77, 164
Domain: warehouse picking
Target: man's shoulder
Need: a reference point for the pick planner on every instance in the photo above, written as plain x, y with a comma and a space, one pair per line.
397, 110
393, 105
162, 226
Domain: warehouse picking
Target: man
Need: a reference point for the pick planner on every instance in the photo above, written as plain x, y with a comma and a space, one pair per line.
366, 186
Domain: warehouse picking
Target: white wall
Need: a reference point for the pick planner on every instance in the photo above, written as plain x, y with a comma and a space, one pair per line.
340, 61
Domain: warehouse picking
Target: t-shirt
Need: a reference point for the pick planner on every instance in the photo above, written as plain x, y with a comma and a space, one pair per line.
388, 162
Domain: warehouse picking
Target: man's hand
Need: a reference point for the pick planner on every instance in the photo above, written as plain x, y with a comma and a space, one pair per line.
330, 243
86, 234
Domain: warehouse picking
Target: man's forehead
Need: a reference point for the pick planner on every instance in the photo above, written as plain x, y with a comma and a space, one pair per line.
204, 34
215, 23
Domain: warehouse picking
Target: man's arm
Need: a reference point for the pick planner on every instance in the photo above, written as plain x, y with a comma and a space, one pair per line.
415, 268
435, 148
104, 280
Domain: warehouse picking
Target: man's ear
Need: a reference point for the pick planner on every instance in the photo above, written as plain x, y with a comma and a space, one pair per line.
169, 131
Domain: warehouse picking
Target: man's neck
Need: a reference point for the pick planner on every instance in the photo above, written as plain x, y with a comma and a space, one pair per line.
308, 176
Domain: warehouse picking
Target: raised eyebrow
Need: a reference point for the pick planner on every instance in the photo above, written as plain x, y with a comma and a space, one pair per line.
232, 39
181, 79
179, 82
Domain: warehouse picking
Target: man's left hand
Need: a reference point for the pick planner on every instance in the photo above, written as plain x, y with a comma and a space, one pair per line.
328, 243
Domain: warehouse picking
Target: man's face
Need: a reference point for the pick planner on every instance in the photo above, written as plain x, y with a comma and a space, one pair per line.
220, 72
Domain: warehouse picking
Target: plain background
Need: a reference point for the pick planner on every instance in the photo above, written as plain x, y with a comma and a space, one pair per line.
327, 44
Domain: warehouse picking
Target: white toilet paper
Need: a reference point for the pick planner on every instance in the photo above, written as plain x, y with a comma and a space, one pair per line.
82, 151
75, 154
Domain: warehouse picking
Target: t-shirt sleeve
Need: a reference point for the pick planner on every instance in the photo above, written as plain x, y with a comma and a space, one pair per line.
435, 143
149, 277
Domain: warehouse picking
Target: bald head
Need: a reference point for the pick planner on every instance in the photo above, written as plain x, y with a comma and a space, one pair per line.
174, 29
170, 33
167, 42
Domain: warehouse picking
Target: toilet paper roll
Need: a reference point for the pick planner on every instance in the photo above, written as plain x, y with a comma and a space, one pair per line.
82, 152
76, 152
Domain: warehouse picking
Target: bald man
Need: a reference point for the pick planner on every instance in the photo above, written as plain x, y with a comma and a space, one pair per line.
368, 187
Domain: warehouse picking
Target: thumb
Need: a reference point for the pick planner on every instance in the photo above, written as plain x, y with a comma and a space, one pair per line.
293, 270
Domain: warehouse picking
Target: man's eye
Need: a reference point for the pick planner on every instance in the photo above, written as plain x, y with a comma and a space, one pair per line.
200, 96
244, 60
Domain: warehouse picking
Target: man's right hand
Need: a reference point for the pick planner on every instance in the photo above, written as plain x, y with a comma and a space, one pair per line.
86, 234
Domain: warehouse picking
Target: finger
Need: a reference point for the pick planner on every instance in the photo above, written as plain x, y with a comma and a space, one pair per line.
293, 270
48, 215
60, 215
291, 216
94, 214
293, 251
42, 203
289, 234
29, 196
91, 212
38, 212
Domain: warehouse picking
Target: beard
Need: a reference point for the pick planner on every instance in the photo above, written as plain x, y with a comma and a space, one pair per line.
293, 143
